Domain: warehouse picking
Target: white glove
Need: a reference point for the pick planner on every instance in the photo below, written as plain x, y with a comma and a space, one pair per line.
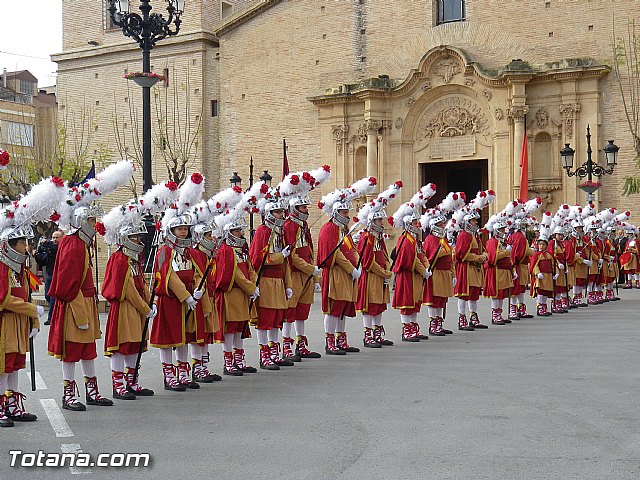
197, 294
191, 303
555, 277
34, 332
355, 273
286, 251
540, 275
316, 271
587, 262
509, 247
600, 262
84, 327
427, 273
256, 293
611, 258
39, 310
289, 293
515, 275
317, 288
385, 282
454, 280
153, 312
561, 266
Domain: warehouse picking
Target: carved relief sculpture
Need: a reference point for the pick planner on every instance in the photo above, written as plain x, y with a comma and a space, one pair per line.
339, 135
446, 69
542, 118
517, 113
498, 113
569, 113
452, 117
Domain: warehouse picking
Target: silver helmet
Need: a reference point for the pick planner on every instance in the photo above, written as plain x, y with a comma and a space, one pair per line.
269, 218
499, 229
434, 229
466, 221
380, 214
238, 224
129, 247
407, 223
341, 205
296, 202
178, 244
80, 222
8, 255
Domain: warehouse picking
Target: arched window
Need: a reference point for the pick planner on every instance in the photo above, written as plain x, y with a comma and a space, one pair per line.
449, 11
543, 156
360, 169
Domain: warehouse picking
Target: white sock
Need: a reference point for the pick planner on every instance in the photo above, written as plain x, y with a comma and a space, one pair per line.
514, 300
541, 299
462, 307
495, 303
439, 312
330, 324
237, 340
166, 355
204, 351
300, 328
433, 312
69, 371
182, 353
558, 297
520, 298
576, 290
195, 351
287, 328
117, 362
367, 320
405, 318
500, 303
4, 379
12, 382
473, 306
414, 318
273, 335
377, 320
227, 345
262, 337
636, 276
563, 295
130, 360
88, 368
341, 324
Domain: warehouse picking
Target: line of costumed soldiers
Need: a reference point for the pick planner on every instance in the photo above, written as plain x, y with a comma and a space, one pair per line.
210, 285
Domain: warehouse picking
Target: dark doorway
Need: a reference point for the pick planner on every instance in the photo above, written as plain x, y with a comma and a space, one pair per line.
467, 176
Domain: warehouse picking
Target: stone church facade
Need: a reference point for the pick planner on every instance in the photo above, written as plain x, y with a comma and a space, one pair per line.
422, 90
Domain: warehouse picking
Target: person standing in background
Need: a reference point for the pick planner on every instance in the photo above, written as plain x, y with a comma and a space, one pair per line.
46, 258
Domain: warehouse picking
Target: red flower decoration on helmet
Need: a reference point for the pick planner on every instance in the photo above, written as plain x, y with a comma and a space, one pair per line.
390, 220
295, 179
4, 159
78, 197
55, 216
173, 186
463, 196
264, 188
320, 205
491, 192
57, 181
10, 214
373, 181
196, 178
237, 189
100, 228
399, 184
255, 210
218, 205
326, 168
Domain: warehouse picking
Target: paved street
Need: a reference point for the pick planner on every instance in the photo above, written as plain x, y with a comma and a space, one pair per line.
552, 398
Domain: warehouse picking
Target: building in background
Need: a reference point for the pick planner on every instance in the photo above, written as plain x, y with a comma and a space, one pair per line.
422, 90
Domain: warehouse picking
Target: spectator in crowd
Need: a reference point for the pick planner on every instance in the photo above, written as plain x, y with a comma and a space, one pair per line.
46, 257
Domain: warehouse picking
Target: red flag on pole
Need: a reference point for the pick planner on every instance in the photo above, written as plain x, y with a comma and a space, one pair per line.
285, 162
524, 166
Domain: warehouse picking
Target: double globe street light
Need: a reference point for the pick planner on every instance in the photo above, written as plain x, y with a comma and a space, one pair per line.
590, 168
236, 181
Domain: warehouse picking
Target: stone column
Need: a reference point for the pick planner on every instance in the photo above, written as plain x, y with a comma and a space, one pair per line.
372, 127
516, 114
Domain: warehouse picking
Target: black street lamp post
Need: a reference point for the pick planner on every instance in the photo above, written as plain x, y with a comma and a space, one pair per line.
590, 168
236, 181
146, 29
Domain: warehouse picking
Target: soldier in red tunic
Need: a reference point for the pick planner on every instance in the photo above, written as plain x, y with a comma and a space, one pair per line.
498, 274
439, 287
520, 256
75, 325
595, 257
542, 269
304, 273
339, 261
373, 285
125, 290
558, 249
469, 257
268, 253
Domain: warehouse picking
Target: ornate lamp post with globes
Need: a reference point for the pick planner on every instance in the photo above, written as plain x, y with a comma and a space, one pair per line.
590, 168
236, 181
146, 28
